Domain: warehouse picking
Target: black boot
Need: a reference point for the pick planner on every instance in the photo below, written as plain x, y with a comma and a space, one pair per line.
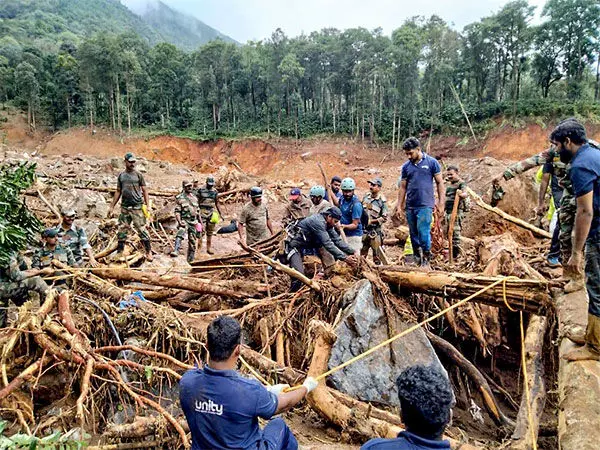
120, 246
425, 259
148, 248
418, 254
191, 255
175, 251
455, 251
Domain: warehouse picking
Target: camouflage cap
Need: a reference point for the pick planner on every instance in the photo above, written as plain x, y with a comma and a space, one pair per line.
50, 233
376, 181
130, 157
210, 180
187, 183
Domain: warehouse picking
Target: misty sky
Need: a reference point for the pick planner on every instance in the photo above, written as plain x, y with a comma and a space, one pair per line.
244, 20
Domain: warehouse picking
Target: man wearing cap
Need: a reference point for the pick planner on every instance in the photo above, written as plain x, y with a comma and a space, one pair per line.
16, 281
352, 211
186, 214
74, 237
51, 250
131, 186
375, 204
317, 197
255, 218
207, 202
318, 231
298, 207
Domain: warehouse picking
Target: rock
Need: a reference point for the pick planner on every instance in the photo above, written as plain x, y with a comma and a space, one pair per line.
363, 326
116, 163
343, 153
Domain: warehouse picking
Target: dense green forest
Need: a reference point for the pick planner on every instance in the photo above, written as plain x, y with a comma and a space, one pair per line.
356, 82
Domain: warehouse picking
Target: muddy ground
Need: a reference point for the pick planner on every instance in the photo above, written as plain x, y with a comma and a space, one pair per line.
79, 156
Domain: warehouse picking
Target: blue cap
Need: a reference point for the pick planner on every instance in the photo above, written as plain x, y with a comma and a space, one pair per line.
295, 193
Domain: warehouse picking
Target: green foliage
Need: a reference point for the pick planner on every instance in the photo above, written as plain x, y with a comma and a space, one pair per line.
18, 226
356, 82
54, 441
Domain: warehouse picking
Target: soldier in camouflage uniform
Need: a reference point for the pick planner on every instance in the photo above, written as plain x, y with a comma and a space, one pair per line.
52, 250
207, 202
375, 204
568, 205
186, 213
74, 237
16, 281
454, 185
132, 186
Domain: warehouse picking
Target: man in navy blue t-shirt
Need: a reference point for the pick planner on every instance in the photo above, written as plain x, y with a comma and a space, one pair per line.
571, 141
426, 401
222, 407
416, 197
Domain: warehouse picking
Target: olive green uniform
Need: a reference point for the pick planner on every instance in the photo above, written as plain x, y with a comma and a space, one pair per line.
254, 218
451, 189
372, 238
297, 211
187, 208
207, 202
130, 184
14, 286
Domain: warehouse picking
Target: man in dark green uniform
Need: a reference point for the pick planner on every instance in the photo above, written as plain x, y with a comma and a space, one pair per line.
207, 202
375, 204
16, 281
51, 250
186, 213
74, 237
132, 187
255, 217
454, 185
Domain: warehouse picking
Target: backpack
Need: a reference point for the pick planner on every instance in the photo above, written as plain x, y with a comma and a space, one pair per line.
364, 216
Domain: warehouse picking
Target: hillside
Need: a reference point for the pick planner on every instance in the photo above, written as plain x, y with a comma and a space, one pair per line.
185, 31
46, 24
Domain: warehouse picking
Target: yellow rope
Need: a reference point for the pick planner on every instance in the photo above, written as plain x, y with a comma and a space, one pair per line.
526, 385
503, 280
257, 375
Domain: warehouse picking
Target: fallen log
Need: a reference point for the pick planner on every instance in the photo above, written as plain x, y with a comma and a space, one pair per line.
528, 295
578, 381
535, 230
283, 268
526, 432
235, 289
325, 403
489, 401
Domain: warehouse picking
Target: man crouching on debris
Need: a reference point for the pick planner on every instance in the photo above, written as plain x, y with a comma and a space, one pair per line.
318, 231
222, 407
426, 402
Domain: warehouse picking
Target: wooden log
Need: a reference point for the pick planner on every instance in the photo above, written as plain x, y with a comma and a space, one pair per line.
526, 433
535, 230
524, 294
234, 289
489, 400
283, 268
325, 403
451, 225
578, 381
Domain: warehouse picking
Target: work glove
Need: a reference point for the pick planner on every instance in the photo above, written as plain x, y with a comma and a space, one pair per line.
277, 389
310, 384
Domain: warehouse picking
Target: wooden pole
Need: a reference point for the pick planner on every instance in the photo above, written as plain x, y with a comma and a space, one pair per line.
451, 225
535, 230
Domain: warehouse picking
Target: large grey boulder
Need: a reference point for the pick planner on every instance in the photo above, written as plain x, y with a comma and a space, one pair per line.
363, 326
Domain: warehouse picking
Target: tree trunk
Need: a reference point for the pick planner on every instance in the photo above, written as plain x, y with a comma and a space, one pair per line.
233, 289
118, 93
68, 111
528, 295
